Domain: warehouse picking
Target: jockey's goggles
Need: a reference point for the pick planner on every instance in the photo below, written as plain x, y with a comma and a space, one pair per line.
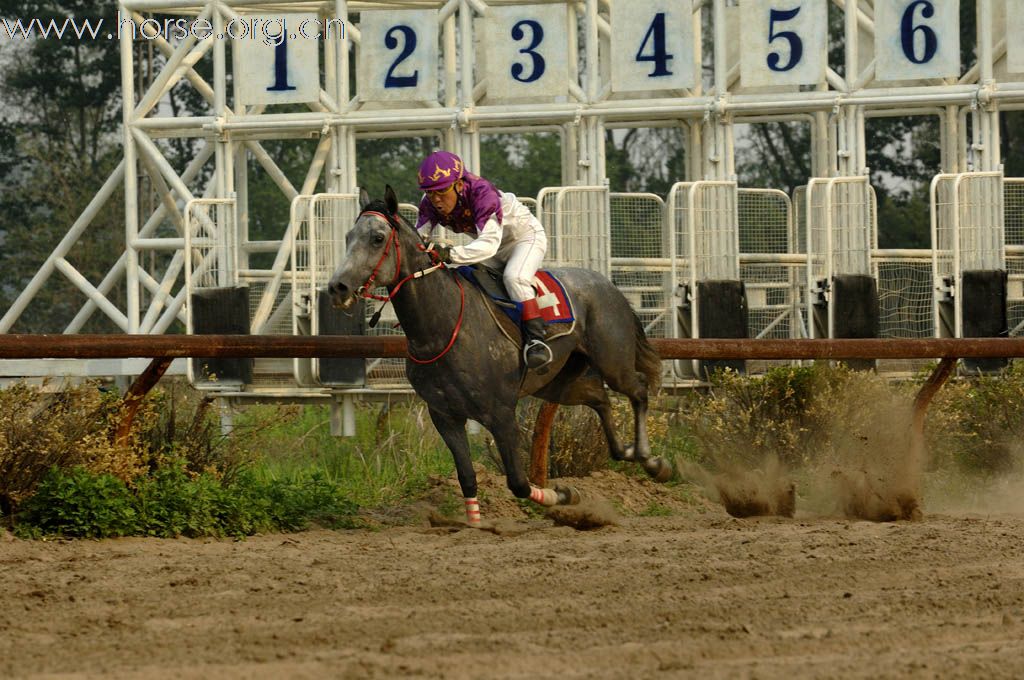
440, 192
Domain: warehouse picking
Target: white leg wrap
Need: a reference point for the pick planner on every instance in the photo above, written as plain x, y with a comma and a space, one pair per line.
472, 512
545, 497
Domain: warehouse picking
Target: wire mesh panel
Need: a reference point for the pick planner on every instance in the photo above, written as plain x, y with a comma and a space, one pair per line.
639, 262
905, 304
211, 252
714, 231
577, 222
981, 218
771, 271
1013, 208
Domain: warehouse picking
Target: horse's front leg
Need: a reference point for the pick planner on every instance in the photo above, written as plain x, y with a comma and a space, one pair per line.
502, 424
453, 431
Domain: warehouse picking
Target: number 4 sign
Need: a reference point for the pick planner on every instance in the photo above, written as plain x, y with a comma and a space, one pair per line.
784, 42
652, 45
917, 39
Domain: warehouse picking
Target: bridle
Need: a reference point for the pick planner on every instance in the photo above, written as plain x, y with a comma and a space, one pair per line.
396, 283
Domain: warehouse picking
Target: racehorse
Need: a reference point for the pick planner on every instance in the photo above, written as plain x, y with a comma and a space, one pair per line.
465, 361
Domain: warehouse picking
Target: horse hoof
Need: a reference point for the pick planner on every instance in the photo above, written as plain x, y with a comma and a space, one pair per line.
567, 495
629, 454
658, 468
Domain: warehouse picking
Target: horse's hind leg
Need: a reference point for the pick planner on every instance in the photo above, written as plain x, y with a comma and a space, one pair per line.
453, 431
633, 385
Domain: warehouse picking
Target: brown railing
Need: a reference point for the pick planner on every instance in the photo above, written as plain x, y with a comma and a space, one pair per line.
288, 346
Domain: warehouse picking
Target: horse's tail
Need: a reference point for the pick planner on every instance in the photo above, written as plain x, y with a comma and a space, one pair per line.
648, 361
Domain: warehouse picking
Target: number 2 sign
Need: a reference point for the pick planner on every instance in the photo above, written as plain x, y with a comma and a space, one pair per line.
652, 45
398, 55
784, 42
917, 39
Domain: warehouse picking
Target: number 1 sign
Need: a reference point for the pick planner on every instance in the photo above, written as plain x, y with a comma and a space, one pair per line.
652, 45
276, 59
398, 55
784, 42
917, 39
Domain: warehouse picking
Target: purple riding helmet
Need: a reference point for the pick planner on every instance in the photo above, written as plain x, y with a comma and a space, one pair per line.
440, 170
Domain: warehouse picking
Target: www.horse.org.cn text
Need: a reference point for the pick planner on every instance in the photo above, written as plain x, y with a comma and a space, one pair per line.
270, 30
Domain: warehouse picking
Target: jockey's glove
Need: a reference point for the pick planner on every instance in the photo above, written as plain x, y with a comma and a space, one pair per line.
444, 253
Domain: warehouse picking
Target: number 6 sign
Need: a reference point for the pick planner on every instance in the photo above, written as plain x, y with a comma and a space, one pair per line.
917, 39
784, 42
398, 55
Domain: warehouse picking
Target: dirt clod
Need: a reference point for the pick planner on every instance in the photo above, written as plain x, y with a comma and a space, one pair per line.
592, 513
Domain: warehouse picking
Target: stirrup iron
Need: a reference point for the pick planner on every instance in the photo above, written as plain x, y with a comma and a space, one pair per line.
534, 359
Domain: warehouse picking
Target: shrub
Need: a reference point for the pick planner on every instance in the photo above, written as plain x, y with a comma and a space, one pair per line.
40, 430
977, 422
171, 502
76, 502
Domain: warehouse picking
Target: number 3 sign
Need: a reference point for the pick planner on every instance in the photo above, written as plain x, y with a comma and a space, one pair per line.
526, 51
917, 39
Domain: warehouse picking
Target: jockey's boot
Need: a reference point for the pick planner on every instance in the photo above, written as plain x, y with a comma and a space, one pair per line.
536, 352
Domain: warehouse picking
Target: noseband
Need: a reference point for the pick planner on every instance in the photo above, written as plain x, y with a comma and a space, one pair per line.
396, 283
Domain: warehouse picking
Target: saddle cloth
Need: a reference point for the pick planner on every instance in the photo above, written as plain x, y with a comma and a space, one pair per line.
552, 299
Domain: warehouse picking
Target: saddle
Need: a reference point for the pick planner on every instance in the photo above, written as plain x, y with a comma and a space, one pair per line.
552, 298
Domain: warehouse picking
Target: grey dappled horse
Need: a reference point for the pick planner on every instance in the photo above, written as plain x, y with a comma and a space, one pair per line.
464, 366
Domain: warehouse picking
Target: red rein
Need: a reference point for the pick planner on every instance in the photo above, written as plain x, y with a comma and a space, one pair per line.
395, 287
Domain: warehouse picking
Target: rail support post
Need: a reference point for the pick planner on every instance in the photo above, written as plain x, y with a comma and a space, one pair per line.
136, 393
924, 397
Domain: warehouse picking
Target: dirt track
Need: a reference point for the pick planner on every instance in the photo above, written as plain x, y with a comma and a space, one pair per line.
694, 594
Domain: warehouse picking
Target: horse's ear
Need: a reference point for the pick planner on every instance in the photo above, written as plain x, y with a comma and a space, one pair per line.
364, 199
391, 200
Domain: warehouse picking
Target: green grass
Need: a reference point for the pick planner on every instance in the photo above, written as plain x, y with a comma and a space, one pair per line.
389, 459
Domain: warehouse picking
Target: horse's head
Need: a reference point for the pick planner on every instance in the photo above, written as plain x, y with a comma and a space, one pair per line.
374, 254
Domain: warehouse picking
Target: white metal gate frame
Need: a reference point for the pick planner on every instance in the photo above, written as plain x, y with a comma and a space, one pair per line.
318, 239
841, 232
968, 232
210, 254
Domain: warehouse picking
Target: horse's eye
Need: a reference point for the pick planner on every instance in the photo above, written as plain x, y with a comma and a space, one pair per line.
378, 239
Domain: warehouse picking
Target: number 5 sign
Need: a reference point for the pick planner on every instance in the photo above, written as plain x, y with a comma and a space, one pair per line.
917, 39
398, 55
652, 45
784, 42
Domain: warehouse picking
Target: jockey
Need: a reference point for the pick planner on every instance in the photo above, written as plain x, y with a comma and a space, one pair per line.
506, 236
